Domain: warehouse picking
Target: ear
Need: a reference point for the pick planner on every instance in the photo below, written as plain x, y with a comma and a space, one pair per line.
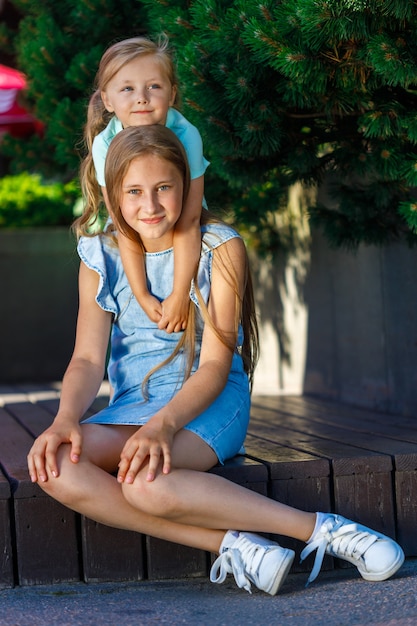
173, 95
106, 102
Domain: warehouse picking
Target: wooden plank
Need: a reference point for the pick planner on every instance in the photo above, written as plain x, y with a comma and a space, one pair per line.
170, 560
15, 443
362, 478
47, 540
393, 435
284, 462
406, 500
51, 405
401, 444
250, 473
110, 554
321, 442
367, 498
6, 550
37, 416
47, 533
297, 479
33, 417
353, 418
365, 439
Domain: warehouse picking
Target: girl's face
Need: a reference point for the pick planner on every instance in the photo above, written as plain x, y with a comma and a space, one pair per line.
151, 200
140, 93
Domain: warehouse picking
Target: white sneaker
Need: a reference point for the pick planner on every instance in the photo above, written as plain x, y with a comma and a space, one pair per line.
376, 556
253, 559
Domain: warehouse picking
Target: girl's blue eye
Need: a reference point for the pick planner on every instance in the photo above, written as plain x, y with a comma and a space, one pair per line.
154, 86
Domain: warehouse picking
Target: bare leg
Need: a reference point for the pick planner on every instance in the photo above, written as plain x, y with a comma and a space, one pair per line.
197, 498
88, 488
187, 506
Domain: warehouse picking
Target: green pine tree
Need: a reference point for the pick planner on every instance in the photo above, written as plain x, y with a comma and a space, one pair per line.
9, 18
305, 90
282, 91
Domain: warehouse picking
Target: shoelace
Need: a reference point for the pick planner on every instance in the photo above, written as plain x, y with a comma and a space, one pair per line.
233, 562
346, 540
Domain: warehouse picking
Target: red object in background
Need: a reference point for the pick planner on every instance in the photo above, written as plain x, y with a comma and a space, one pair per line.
14, 118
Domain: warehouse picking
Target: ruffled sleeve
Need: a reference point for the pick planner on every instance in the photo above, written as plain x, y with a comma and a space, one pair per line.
101, 256
213, 236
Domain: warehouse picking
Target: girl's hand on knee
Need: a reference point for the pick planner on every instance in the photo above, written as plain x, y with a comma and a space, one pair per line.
148, 445
42, 459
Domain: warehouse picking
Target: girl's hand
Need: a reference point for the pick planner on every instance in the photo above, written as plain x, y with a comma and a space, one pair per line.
174, 312
42, 455
150, 444
152, 307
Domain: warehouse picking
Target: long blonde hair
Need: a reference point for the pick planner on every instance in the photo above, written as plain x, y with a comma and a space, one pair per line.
157, 140
112, 61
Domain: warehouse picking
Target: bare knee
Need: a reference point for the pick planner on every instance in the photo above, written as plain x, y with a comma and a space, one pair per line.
65, 487
157, 497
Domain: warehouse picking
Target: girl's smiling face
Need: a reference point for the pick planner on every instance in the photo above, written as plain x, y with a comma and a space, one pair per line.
151, 200
140, 93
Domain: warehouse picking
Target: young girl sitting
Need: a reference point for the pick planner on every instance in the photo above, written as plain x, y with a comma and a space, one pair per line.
141, 463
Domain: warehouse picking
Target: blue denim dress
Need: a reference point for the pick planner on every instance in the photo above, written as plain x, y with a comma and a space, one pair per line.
137, 345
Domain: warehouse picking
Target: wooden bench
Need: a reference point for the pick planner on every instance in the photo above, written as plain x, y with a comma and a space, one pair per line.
305, 452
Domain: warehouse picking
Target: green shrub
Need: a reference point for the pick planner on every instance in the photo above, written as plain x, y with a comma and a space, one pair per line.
26, 200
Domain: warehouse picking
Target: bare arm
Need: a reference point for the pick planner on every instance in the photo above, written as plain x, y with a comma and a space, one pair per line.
187, 246
154, 440
92, 336
80, 384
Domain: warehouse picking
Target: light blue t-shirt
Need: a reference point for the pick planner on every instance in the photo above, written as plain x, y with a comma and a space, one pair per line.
184, 130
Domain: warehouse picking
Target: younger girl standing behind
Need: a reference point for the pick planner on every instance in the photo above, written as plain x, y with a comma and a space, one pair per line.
136, 85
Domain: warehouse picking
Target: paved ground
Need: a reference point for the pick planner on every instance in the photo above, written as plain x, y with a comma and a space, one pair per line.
339, 598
